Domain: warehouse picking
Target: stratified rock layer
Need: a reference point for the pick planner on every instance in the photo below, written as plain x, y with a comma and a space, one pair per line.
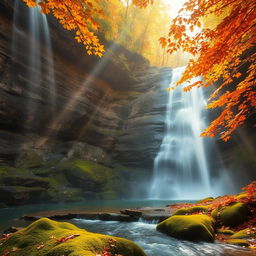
105, 110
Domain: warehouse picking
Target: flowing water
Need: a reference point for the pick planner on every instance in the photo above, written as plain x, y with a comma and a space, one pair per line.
36, 54
181, 166
155, 243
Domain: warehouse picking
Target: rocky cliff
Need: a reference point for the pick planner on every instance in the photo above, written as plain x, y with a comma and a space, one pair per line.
109, 111
102, 104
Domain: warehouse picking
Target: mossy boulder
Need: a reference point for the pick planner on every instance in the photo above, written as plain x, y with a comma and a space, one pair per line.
40, 238
225, 232
196, 227
239, 242
231, 215
204, 200
240, 196
244, 233
191, 210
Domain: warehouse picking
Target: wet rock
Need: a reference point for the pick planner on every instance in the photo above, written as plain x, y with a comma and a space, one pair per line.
114, 217
18, 195
84, 215
132, 213
11, 230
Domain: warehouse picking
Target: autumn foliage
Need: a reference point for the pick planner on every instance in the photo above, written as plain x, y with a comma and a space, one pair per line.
220, 54
76, 15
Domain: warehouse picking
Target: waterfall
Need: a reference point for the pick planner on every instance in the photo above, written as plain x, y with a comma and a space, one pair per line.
181, 167
32, 48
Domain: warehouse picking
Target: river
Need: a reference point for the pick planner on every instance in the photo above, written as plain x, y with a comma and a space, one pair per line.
143, 233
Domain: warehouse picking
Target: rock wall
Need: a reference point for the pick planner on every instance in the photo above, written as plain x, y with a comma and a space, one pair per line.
107, 110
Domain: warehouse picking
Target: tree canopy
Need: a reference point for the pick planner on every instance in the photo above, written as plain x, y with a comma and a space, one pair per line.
223, 53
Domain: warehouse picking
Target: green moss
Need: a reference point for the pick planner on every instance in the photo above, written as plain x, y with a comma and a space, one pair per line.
196, 227
29, 159
22, 189
45, 231
225, 232
240, 242
204, 200
181, 211
110, 194
232, 215
241, 196
72, 180
244, 233
194, 209
2, 170
96, 171
14, 171
104, 181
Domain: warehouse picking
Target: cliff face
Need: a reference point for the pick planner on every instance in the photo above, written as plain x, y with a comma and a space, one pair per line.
107, 110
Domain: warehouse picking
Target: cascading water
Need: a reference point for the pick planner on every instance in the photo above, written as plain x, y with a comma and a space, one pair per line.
38, 50
181, 168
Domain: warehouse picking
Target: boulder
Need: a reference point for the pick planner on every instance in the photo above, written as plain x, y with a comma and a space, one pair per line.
48, 237
132, 213
231, 215
240, 242
196, 227
244, 233
190, 210
204, 200
227, 232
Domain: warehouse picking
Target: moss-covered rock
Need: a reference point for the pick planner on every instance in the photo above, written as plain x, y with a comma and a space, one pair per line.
40, 238
94, 177
29, 159
225, 232
231, 215
244, 233
190, 210
204, 200
241, 196
240, 242
71, 180
196, 227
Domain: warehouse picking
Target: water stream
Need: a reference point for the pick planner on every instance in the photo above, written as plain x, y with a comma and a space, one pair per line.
36, 54
181, 166
155, 243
